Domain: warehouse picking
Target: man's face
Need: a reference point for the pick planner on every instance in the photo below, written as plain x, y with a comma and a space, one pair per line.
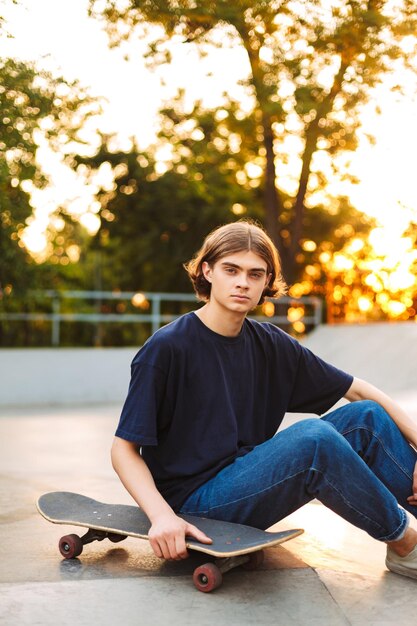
237, 281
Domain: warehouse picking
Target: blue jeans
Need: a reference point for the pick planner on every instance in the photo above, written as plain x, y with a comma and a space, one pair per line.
354, 460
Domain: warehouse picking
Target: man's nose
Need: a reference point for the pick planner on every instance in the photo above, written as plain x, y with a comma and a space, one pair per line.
242, 280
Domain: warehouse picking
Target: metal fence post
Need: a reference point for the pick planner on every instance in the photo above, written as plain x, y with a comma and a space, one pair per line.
56, 315
318, 311
156, 312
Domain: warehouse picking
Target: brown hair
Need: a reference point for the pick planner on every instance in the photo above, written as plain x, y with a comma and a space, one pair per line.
244, 235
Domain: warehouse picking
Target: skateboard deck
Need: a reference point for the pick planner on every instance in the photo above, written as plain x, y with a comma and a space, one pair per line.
233, 544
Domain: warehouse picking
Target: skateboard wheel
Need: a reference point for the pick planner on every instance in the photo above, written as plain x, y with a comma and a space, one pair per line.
207, 577
70, 546
255, 560
115, 538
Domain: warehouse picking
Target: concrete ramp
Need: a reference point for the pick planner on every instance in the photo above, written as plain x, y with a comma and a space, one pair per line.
384, 354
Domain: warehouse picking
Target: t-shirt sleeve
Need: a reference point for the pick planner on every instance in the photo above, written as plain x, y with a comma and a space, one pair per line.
139, 417
317, 385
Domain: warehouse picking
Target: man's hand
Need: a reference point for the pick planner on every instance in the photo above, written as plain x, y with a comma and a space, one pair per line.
167, 537
413, 499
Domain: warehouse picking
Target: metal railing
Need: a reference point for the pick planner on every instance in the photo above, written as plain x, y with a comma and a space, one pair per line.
152, 301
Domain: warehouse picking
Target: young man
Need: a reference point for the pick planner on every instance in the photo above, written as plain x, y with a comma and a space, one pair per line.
208, 392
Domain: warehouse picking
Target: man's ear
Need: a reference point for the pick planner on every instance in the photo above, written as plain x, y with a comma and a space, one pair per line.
206, 269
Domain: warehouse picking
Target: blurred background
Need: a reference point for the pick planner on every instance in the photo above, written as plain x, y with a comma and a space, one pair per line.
129, 130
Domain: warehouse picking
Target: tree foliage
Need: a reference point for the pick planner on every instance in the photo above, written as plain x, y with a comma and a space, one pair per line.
373, 278
36, 108
156, 214
151, 222
313, 66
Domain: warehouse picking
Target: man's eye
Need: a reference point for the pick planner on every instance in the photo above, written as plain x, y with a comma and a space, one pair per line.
256, 276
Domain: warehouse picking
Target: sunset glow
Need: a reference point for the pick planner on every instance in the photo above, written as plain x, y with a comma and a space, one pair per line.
366, 279
370, 279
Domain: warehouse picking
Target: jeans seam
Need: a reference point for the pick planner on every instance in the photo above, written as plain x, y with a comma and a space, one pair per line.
381, 443
270, 487
246, 497
385, 538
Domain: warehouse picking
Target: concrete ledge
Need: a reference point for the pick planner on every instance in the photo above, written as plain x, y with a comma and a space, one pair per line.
382, 353
64, 376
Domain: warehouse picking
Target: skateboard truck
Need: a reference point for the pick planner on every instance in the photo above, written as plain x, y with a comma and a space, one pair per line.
209, 576
71, 546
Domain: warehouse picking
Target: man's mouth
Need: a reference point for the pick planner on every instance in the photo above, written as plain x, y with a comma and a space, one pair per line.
240, 296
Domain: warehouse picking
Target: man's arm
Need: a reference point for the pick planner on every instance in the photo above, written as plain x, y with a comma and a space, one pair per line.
168, 531
361, 390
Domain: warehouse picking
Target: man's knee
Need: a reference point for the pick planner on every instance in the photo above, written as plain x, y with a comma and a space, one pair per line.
362, 414
315, 432
372, 413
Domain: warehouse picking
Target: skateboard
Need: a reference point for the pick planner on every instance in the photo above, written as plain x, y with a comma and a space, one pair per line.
233, 544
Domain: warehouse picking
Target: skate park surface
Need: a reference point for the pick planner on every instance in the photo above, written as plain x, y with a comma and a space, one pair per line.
332, 574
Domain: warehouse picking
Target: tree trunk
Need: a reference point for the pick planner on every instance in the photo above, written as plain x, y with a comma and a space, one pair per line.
273, 204
312, 134
272, 200
298, 209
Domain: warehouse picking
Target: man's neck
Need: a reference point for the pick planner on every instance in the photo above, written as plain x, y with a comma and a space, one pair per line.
226, 323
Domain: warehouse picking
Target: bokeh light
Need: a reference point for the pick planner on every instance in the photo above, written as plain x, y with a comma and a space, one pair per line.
370, 278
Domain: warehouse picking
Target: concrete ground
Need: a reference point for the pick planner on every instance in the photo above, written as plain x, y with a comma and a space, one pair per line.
331, 575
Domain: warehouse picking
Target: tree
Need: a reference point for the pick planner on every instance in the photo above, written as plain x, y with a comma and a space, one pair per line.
312, 68
35, 108
155, 214
151, 223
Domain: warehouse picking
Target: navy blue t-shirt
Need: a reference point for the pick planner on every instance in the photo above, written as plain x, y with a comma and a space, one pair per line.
197, 399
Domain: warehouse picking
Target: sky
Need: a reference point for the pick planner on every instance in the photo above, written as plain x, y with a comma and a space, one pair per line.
59, 36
